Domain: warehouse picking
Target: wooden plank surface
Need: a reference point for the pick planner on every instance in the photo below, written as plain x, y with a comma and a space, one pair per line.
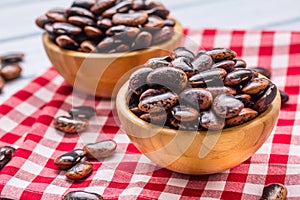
18, 31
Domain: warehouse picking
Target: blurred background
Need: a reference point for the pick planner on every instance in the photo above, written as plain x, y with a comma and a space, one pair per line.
18, 31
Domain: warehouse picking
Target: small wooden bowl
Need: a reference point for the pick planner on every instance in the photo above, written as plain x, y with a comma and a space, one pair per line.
197, 152
98, 73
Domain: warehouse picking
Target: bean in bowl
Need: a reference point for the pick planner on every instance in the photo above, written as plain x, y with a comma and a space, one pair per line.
208, 91
108, 26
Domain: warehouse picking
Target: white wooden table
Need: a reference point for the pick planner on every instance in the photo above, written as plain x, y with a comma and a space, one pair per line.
18, 31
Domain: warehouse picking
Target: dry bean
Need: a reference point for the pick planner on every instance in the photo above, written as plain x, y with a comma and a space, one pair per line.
219, 54
11, 71
137, 81
100, 149
198, 98
69, 159
185, 113
245, 115
156, 100
209, 120
70, 125
225, 105
274, 191
172, 78
84, 112
284, 97
80, 170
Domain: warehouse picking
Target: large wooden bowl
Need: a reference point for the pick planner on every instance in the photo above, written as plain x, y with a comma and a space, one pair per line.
197, 152
100, 73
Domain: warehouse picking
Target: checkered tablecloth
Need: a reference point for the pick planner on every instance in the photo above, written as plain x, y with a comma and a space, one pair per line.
26, 122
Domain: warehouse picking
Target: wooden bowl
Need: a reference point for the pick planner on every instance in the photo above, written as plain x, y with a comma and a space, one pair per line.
197, 152
100, 73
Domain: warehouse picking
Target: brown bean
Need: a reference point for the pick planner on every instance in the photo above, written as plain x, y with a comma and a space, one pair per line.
81, 20
161, 12
66, 28
42, 20
80, 11
224, 64
12, 57
264, 71
93, 32
87, 4
215, 91
198, 98
255, 86
184, 65
82, 195
104, 24
11, 71
102, 5
284, 97
202, 62
70, 125
219, 54
185, 125
226, 106
137, 81
88, 46
156, 100
183, 52
79, 171
157, 118
106, 44
210, 121
121, 7
154, 22
266, 99
245, 115
142, 40
84, 112
6, 153
274, 191
239, 63
102, 149
208, 78
162, 35
69, 159
169, 77
237, 77
185, 113
158, 62
130, 19
66, 41
245, 98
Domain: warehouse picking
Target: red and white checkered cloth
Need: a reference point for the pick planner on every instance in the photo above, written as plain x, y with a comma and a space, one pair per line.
26, 122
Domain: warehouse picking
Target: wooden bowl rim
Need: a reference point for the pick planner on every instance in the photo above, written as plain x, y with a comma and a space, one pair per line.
178, 32
122, 107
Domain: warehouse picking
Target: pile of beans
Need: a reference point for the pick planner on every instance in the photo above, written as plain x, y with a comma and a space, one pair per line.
75, 161
6, 153
10, 67
108, 25
208, 91
78, 120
